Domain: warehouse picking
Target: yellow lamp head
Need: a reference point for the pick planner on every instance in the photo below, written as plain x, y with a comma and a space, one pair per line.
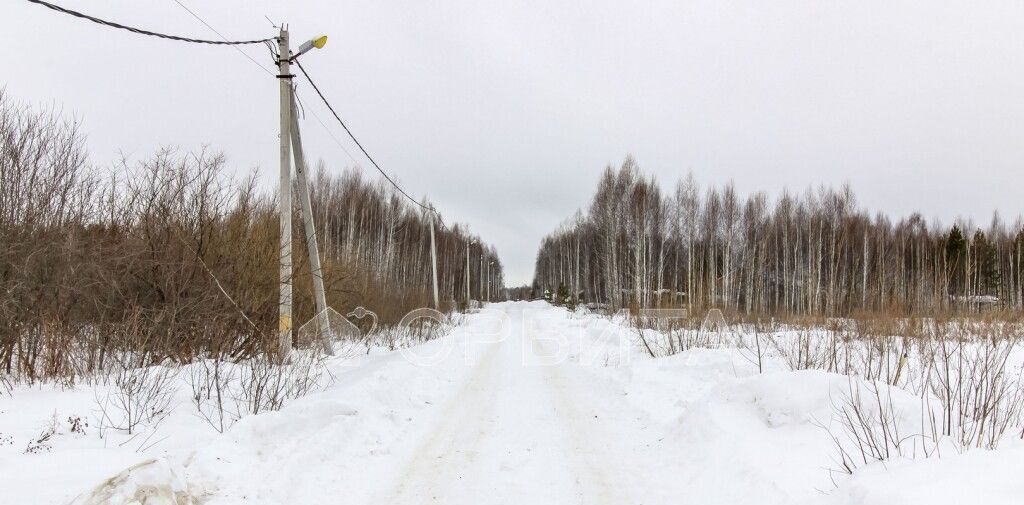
317, 43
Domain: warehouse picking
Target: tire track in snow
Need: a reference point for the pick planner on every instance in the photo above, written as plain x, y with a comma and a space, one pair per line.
584, 446
516, 433
593, 469
451, 448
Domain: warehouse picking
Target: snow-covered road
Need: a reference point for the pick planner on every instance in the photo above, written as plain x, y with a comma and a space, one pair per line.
517, 405
524, 427
520, 403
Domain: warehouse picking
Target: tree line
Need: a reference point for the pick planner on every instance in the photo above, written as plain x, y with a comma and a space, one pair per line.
811, 253
172, 258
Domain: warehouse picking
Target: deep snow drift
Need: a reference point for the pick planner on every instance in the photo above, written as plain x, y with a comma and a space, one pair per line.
523, 403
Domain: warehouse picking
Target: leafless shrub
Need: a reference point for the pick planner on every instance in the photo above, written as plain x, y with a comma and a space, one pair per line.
971, 395
755, 345
643, 340
665, 336
213, 388
139, 395
397, 336
265, 385
807, 348
979, 396
870, 428
223, 392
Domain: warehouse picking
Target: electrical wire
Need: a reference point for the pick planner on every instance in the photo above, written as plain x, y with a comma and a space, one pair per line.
276, 57
235, 47
354, 139
331, 134
140, 31
235, 43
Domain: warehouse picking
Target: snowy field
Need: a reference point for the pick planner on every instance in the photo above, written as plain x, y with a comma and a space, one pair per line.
523, 403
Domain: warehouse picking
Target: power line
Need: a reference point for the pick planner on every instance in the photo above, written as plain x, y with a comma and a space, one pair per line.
235, 43
354, 139
233, 46
273, 55
140, 31
313, 112
331, 134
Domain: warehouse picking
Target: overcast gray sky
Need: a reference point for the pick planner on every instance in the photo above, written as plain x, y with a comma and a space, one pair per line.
505, 112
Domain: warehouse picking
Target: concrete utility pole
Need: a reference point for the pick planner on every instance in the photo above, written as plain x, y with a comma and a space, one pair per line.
490, 267
289, 134
468, 243
302, 185
284, 319
576, 278
433, 258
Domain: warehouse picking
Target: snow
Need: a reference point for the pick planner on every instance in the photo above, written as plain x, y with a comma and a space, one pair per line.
522, 403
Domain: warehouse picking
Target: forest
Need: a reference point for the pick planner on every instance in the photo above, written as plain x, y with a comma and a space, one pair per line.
809, 253
174, 258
